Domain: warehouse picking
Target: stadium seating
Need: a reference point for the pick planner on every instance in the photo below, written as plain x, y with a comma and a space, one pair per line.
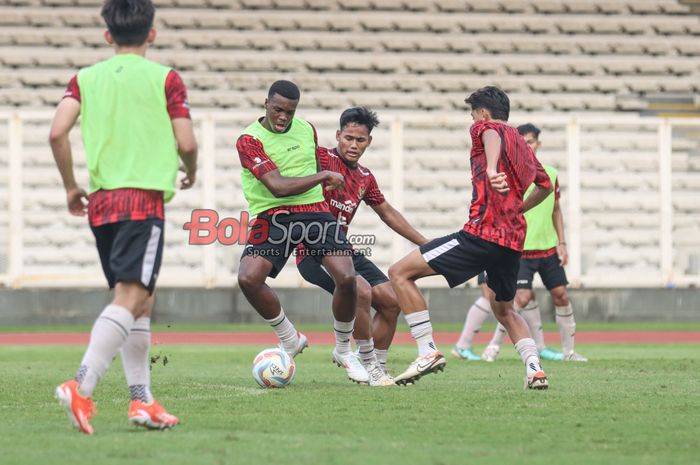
404, 58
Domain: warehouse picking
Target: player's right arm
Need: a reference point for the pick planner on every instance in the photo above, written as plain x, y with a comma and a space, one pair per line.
492, 148
282, 186
66, 115
254, 159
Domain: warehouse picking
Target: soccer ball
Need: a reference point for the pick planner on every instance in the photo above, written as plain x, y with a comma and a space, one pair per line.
273, 368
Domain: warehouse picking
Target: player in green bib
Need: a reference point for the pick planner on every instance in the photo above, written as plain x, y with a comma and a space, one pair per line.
136, 127
544, 253
284, 188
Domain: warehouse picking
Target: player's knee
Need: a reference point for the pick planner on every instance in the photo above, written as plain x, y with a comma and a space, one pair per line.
248, 281
560, 297
391, 312
384, 300
503, 312
131, 295
146, 308
364, 292
346, 282
396, 274
522, 299
561, 301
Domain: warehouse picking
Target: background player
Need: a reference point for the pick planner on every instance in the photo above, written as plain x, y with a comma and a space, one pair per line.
502, 166
545, 253
373, 338
283, 188
477, 314
134, 122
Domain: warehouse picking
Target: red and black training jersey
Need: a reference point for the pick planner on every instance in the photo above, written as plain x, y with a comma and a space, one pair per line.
131, 204
496, 217
252, 155
360, 186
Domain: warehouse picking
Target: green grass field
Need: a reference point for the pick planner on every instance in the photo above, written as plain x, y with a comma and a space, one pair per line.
630, 405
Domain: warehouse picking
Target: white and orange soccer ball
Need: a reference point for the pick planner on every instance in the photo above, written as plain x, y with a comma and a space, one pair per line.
273, 368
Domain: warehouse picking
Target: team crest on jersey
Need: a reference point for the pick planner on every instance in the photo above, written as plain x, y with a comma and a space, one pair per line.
361, 193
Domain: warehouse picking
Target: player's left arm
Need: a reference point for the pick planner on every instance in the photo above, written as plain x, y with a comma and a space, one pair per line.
558, 220
179, 111
66, 115
492, 147
396, 221
542, 188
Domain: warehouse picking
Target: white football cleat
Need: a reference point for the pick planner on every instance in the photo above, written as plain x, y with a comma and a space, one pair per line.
351, 362
377, 376
537, 381
490, 353
430, 363
302, 343
574, 357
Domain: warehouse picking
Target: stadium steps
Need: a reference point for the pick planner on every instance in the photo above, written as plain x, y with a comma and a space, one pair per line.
694, 5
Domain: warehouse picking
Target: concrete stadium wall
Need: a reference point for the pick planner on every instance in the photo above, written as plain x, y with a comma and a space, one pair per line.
73, 306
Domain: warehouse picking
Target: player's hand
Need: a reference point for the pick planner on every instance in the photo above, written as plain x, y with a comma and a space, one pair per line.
189, 179
334, 181
563, 254
77, 200
498, 181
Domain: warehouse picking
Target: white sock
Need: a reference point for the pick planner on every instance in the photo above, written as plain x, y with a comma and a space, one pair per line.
567, 327
477, 314
382, 355
343, 330
136, 362
366, 349
422, 331
498, 335
285, 330
108, 334
528, 352
531, 315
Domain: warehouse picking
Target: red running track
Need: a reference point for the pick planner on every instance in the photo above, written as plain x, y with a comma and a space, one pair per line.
265, 338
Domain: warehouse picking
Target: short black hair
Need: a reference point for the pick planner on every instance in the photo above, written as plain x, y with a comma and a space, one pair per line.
129, 21
529, 128
359, 115
286, 89
492, 99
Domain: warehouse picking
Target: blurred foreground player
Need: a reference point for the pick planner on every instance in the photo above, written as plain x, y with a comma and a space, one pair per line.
134, 122
492, 240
